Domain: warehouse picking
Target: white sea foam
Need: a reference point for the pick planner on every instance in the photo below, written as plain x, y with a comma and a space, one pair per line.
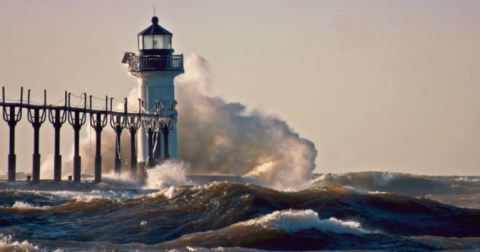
161, 180
468, 179
296, 220
352, 190
123, 180
7, 243
89, 196
383, 178
96, 194
167, 174
167, 192
378, 192
26, 206
320, 178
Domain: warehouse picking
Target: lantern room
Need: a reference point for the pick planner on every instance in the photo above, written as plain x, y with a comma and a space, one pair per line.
155, 39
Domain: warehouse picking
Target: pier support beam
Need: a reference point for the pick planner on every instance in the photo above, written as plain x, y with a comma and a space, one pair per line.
150, 159
98, 156
134, 122
57, 158
57, 118
150, 125
77, 118
133, 151
118, 122
157, 146
36, 153
12, 158
98, 122
12, 116
77, 159
36, 117
165, 131
118, 148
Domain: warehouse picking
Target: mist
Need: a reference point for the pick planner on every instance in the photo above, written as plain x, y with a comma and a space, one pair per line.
221, 137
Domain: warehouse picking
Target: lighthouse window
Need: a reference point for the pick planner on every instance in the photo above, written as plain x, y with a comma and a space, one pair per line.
148, 42
168, 42
140, 42
159, 42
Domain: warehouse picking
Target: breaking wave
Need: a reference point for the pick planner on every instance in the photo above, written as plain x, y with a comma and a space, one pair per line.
167, 174
224, 214
7, 243
296, 220
456, 190
26, 206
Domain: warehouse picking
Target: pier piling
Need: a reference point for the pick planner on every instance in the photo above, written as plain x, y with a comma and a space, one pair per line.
77, 118
57, 117
165, 130
98, 121
150, 125
134, 123
12, 116
36, 116
118, 122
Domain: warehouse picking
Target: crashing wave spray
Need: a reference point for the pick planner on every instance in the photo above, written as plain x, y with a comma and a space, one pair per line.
221, 137
217, 136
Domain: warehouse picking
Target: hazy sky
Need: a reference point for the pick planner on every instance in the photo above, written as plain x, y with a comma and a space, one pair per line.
377, 85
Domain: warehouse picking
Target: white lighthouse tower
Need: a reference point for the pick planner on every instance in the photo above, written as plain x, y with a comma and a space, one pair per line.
155, 67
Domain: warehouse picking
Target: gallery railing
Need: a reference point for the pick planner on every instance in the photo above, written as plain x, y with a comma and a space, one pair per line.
155, 63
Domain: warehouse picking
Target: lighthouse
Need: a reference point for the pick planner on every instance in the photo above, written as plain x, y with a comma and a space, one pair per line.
155, 67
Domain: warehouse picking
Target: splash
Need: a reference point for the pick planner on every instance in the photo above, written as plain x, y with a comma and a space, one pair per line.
221, 137
165, 175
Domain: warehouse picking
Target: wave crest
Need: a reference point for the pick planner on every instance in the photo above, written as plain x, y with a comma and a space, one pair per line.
20, 205
297, 220
7, 243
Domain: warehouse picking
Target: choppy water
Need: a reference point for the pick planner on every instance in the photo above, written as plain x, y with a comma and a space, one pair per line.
364, 211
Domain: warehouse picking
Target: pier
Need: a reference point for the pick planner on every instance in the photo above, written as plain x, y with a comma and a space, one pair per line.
154, 122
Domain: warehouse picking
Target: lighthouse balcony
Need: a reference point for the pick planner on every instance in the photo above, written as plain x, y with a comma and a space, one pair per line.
154, 62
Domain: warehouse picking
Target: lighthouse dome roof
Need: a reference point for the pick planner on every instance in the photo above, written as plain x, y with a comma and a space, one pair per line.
155, 29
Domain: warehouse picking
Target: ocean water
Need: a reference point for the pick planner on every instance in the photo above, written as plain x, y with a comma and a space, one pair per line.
353, 211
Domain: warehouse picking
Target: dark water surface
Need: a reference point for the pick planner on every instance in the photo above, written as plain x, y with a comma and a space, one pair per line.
362, 211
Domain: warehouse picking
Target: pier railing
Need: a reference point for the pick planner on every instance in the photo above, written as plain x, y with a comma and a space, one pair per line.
158, 121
